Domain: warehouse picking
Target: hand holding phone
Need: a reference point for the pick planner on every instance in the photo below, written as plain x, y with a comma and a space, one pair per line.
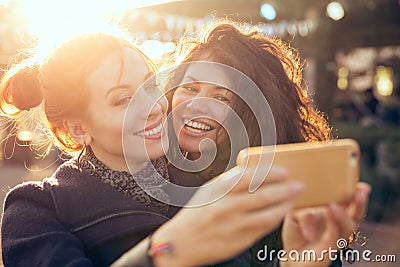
328, 170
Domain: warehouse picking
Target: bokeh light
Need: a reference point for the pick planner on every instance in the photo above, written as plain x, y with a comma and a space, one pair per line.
383, 80
335, 10
268, 11
343, 81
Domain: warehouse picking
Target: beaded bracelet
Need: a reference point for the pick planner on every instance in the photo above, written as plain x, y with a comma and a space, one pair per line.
158, 248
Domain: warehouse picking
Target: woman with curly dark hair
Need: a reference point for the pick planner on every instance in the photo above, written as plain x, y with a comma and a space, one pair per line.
276, 70
273, 66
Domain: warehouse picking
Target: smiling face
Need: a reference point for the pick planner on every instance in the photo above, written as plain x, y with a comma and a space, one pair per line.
112, 85
198, 109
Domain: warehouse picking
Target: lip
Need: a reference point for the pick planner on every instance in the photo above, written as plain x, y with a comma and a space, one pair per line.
150, 127
153, 125
203, 121
155, 136
186, 131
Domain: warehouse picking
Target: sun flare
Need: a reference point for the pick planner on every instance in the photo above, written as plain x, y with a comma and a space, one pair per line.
46, 18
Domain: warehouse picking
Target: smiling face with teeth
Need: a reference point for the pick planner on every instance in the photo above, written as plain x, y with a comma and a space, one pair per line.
198, 110
112, 85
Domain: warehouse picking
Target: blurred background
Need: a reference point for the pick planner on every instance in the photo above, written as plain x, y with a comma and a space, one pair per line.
352, 53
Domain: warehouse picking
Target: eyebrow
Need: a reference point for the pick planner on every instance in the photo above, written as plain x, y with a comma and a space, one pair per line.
127, 86
194, 80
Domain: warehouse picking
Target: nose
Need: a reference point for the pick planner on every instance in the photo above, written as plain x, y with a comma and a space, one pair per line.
198, 105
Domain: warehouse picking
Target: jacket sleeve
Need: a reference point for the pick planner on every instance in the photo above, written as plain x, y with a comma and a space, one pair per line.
32, 234
136, 256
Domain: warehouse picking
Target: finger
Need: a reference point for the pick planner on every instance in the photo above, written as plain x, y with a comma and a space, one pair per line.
242, 203
312, 223
267, 195
345, 223
262, 221
244, 176
358, 206
327, 240
260, 177
330, 235
265, 173
292, 228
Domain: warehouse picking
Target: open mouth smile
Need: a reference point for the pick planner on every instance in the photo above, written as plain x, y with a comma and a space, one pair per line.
196, 126
152, 132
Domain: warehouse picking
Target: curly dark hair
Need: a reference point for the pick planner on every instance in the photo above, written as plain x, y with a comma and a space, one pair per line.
276, 69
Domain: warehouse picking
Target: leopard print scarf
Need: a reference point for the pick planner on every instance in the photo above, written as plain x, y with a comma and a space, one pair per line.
126, 183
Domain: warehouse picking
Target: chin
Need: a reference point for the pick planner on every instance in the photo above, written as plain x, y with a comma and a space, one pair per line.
190, 148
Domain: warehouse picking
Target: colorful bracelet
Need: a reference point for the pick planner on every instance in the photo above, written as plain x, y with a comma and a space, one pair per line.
158, 248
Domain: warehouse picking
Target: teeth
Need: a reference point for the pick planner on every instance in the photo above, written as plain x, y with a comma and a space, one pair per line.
197, 125
153, 131
195, 130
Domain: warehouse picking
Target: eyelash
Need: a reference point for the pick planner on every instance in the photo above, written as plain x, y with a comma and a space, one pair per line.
194, 89
190, 88
222, 98
123, 101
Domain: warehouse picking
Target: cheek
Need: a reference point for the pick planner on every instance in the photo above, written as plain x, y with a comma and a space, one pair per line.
179, 98
113, 131
177, 124
220, 111
108, 127
176, 101
176, 112
116, 122
164, 104
222, 136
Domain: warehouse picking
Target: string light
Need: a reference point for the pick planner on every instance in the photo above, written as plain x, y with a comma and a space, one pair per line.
383, 80
343, 81
335, 10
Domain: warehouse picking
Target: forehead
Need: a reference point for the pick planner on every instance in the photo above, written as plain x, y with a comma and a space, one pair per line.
208, 73
121, 65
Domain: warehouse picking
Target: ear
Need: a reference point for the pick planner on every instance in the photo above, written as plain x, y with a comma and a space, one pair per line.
78, 131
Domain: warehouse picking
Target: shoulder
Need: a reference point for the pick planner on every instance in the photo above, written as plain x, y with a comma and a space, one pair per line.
27, 191
40, 192
39, 204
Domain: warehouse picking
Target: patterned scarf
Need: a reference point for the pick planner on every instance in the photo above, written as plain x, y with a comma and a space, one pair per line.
126, 183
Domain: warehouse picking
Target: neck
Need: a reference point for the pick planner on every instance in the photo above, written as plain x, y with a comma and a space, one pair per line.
193, 155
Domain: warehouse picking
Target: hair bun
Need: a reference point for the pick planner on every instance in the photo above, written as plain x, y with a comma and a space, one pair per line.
26, 92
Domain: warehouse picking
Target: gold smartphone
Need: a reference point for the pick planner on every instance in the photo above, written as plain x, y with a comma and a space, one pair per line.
328, 170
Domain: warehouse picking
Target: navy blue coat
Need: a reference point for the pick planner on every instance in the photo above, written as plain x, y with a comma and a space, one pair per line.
74, 219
